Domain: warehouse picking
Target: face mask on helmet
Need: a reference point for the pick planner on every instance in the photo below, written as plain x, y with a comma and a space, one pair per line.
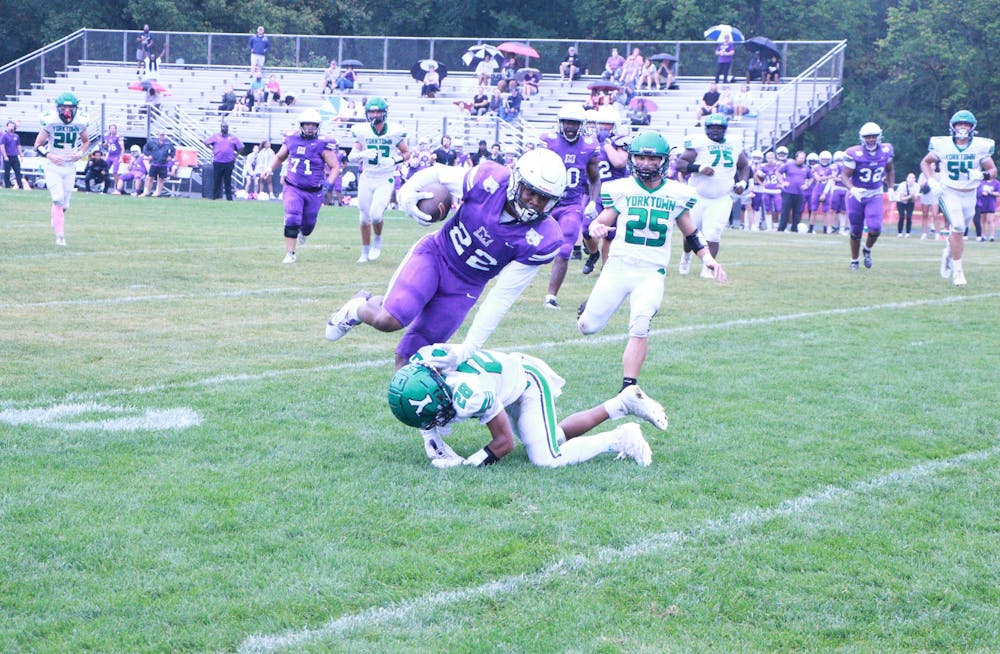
67, 112
715, 128
649, 157
570, 129
782, 153
871, 136
536, 185
376, 111
419, 397
963, 124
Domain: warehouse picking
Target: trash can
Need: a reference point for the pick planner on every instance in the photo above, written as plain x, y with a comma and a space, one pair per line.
207, 181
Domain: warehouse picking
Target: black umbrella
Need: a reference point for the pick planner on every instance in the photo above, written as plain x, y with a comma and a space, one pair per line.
765, 46
421, 68
663, 56
353, 63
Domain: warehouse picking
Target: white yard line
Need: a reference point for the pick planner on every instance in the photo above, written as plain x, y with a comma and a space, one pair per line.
582, 340
410, 610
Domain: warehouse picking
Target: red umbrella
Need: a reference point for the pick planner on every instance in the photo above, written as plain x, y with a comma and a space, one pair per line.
518, 48
146, 84
650, 105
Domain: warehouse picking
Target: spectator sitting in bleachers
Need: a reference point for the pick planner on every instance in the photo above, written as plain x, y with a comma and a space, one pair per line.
726, 104
480, 102
228, 100
512, 103
708, 104
665, 75
496, 101
648, 76
613, 66
772, 71
639, 115
631, 69
529, 83
240, 107
570, 67
744, 102
272, 90
330, 76
255, 95
432, 83
484, 70
347, 79
755, 67
508, 70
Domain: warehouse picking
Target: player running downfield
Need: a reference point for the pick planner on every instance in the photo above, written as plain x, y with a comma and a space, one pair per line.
63, 141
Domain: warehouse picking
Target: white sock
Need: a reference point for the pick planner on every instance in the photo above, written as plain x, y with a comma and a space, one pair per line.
615, 408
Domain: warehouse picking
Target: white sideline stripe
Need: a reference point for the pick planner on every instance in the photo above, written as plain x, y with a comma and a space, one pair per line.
658, 543
583, 340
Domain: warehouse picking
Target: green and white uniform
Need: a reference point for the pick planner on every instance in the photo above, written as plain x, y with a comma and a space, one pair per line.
64, 139
378, 168
715, 200
958, 191
639, 254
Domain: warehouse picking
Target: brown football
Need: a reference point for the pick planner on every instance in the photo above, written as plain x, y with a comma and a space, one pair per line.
439, 204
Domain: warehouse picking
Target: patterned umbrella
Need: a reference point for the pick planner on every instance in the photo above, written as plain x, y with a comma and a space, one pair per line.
481, 51
717, 32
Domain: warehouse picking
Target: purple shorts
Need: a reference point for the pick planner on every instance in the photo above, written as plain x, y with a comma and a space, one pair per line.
814, 201
838, 199
771, 202
867, 212
570, 219
428, 297
301, 208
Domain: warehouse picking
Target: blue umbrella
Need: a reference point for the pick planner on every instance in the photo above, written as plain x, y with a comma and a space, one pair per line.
718, 31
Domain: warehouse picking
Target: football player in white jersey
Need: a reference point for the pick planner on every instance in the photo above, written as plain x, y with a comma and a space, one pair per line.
642, 209
965, 160
380, 147
62, 140
514, 394
716, 167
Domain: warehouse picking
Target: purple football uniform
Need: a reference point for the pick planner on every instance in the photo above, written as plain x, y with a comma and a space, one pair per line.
576, 157
772, 187
304, 178
445, 272
869, 174
821, 174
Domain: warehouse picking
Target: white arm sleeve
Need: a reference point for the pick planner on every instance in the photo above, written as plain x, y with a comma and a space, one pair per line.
511, 282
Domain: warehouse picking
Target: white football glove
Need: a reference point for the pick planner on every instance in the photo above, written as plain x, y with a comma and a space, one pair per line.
439, 452
857, 193
446, 356
590, 212
409, 204
976, 175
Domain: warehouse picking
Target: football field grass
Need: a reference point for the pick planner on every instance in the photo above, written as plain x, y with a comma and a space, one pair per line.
186, 465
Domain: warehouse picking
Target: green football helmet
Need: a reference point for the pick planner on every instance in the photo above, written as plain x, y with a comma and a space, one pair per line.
649, 144
419, 397
715, 127
963, 116
376, 110
66, 106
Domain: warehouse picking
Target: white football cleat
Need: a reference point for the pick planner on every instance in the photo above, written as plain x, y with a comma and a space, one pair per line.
632, 445
946, 262
301, 240
640, 405
289, 257
374, 253
60, 240
958, 278
706, 273
685, 265
550, 302
363, 259
340, 320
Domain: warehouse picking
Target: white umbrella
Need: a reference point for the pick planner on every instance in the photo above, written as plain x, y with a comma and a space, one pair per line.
481, 51
717, 32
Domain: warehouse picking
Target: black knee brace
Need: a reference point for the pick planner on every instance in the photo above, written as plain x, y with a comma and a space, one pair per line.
291, 231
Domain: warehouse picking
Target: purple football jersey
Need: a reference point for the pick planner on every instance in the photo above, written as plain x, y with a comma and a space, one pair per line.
306, 168
576, 156
113, 145
476, 245
869, 167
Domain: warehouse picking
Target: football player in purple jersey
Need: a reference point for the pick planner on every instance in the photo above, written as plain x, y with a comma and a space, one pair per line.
612, 162
113, 146
866, 168
579, 154
313, 166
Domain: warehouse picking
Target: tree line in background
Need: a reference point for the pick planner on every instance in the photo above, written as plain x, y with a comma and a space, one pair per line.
909, 65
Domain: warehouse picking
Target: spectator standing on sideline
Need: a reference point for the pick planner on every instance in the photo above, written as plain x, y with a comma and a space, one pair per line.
114, 147
10, 148
225, 148
97, 171
793, 176
724, 54
62, 140
159, 152
312, 169
445, 154
251, 173
989, 191
265, 157
613, 66
906, 193
258, 45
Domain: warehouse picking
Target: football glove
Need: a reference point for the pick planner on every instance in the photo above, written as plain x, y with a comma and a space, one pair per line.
858, 193
439, 452
409, 204
446, 356
590, 212
976, 175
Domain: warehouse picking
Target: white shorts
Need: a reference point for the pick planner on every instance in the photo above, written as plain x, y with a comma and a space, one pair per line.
711, 215
958, 207
60, 181
625, 277
533, 415
374, 193
257, 61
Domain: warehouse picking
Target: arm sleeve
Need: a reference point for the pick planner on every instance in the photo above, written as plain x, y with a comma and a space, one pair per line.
511, 282
451, 176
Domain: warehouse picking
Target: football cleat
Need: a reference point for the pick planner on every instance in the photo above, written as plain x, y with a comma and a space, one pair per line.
867, 254
374, 253
588, 265
340, 320
60, 240
632, 445
301, 240
363, 258
706, 273
289, 257
958, 278
551, 302
580, 309
640, 405
946, 262
685, 265
855, 266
